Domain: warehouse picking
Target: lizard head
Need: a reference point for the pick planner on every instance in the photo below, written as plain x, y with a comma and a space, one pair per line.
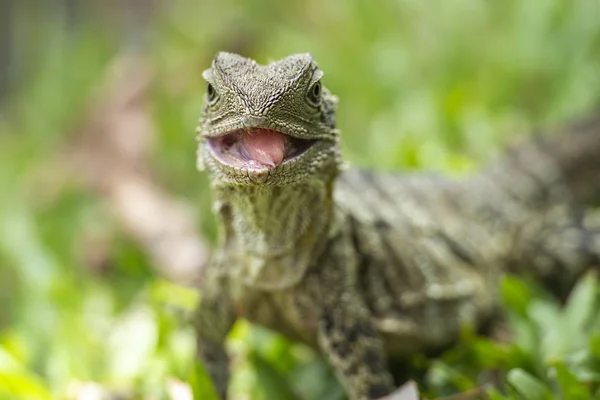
269, 124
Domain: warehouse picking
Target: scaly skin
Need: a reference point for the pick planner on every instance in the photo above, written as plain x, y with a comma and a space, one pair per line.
367, 267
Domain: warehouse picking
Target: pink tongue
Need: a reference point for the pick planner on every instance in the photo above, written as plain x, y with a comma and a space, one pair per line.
265, 146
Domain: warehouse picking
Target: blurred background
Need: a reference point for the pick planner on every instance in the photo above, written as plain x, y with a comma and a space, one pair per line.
105, 222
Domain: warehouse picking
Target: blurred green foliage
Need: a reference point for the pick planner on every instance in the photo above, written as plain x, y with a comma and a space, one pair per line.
422, 84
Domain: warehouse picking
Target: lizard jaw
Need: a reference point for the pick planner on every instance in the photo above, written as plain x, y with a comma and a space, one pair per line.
257, 148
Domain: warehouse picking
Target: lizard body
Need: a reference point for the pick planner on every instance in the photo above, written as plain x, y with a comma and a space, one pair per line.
364, 266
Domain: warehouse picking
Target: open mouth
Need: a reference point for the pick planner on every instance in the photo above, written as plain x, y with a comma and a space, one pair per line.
257, 148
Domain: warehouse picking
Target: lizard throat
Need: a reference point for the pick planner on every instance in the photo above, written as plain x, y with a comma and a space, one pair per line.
257, 148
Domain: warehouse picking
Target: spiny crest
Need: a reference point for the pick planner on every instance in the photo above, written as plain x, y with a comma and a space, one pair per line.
259, 86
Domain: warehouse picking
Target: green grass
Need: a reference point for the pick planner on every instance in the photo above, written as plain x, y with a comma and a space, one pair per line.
423, 85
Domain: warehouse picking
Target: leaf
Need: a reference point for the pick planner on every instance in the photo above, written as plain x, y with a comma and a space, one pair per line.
274, 384
169, 293
132, 342
17, 380
571, 388
23, 386
516, 295
493, 394
595, 345
441, 375
526, 343
202, 386
556, 339
316, 380
527, 385
564, 331
582, 305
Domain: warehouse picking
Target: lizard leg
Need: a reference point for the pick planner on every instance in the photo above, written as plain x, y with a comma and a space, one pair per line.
213, 320
348, 337
346, 331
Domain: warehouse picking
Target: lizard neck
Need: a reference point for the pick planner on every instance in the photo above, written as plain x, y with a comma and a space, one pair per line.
273, 233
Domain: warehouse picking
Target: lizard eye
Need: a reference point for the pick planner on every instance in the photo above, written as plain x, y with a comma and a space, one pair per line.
314, 93
211, 93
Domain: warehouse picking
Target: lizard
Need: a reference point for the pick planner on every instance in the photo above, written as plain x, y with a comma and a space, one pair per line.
368, 267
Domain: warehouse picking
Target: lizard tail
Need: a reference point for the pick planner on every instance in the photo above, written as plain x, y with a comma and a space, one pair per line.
576, 152
540, 171
555, 182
